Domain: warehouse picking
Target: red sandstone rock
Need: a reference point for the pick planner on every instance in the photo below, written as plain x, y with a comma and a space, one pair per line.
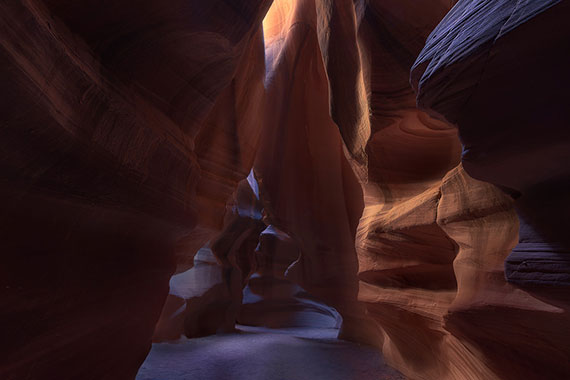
272, 298
481, 69
307, 186
432, 240
513, 138
430, 289
126, 129
234, 249
101, 105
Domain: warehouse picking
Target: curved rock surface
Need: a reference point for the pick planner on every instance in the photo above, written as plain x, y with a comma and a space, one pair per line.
432, 240
431, 222
307, 186
103, 105
192, 296
514, 138
272, 298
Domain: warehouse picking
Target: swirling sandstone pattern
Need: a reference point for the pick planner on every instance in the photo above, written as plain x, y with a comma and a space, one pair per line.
102, 105
127, 133
306, 184
432, 241
474, 52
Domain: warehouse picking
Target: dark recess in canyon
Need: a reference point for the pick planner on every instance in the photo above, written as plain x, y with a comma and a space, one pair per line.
396, 172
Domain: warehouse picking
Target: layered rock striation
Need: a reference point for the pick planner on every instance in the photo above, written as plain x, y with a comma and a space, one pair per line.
430, 215
518, 137
102, 109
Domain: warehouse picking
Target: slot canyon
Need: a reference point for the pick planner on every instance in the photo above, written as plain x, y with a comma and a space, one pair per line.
285, 189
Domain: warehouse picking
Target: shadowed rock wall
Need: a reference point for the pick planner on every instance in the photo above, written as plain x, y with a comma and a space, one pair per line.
126, 130
103, 105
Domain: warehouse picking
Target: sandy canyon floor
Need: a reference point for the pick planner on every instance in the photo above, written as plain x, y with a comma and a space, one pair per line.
266, 354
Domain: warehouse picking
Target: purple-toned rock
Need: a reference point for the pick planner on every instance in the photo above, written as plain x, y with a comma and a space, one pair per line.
277, 303
189, 290
498, 70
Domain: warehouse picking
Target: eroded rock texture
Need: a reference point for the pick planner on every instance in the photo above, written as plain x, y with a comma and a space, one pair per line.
103, 105
432, 240
482, 70
272, 298
196, 301
514, 138
307, 186
127, 133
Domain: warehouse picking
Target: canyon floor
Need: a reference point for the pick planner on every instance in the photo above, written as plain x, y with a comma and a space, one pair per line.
266, 354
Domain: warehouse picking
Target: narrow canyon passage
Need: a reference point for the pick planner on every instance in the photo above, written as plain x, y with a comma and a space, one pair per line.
284, 189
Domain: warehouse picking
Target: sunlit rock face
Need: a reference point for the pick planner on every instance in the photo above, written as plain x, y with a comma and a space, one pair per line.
414, 312
496, 70
475, 52
307, 186
104, 146
399, 242
432, 241
127, 133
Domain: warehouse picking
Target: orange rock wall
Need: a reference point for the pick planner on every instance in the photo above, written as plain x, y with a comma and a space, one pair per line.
306, 184
432, 241
126, 130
